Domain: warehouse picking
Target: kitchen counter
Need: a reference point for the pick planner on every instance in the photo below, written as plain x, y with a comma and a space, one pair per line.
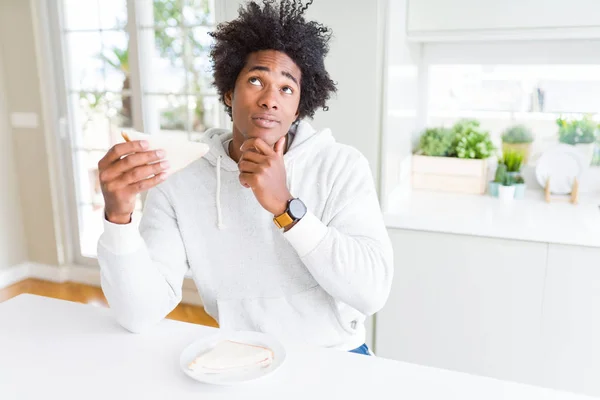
529, 219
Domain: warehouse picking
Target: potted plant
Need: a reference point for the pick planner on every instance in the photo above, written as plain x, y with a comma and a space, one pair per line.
519, 187
471, 142
581, 133
453, 160
498, 179
436, 142
506, 191
518, 138
513, 161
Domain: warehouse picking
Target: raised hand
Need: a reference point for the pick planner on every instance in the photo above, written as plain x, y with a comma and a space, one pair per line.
262, 170
126, 170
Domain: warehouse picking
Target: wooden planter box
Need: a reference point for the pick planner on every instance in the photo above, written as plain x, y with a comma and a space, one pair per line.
448, 174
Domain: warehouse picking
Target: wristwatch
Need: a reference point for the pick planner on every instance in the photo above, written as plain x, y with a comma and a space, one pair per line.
293, 213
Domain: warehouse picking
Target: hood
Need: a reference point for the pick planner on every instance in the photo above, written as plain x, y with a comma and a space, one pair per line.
303, 137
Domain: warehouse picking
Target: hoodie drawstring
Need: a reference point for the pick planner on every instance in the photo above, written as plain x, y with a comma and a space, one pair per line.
218, 199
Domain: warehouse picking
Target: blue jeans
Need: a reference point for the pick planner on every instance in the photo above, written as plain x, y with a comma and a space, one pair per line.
361, 350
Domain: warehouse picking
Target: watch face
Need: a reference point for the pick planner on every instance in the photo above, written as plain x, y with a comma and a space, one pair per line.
297, 209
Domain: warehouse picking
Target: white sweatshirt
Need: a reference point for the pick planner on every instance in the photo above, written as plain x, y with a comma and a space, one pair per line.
315, 283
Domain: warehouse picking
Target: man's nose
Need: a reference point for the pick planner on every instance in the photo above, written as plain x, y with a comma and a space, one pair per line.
268, 99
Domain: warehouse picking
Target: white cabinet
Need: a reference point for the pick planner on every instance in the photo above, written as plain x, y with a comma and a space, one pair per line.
522, 311
509, 19
465, 303
571, 319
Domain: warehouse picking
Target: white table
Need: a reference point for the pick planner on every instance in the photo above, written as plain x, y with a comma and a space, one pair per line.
57, 349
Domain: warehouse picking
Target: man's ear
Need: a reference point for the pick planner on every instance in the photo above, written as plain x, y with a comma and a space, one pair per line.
228, 98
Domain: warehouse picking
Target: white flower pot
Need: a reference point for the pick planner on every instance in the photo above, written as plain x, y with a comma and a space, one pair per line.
587, 151
506, 193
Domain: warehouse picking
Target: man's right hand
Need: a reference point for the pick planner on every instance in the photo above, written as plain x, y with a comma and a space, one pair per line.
124, 172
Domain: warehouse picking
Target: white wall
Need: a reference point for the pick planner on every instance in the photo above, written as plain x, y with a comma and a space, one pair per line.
355, 63
12, 238
22, 91
401, 99
428, 15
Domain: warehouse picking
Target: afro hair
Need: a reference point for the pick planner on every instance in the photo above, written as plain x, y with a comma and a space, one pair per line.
280, 26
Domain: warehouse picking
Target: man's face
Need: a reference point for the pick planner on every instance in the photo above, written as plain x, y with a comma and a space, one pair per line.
266, 96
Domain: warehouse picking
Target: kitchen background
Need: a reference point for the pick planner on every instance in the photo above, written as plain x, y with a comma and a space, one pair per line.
465, 109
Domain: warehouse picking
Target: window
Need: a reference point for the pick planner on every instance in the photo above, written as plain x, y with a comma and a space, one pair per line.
505, 83
131, 64
501, 95
500, 83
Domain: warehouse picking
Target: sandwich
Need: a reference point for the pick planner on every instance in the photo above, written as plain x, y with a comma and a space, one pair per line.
180, 152
229, 356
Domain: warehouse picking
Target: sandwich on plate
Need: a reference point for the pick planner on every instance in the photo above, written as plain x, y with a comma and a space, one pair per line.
229, 356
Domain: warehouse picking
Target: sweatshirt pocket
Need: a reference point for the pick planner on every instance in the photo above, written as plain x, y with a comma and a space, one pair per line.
308, 316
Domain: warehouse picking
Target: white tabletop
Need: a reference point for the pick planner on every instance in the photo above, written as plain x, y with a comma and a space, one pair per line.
57, 349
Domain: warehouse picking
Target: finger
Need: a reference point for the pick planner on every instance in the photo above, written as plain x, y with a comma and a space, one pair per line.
146, 184
130, 162
248, 180
144, 172
254, 157
249, 166
122, 149
280, 146
258, 144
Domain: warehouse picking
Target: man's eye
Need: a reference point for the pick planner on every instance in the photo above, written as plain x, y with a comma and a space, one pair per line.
288, 90
254, 81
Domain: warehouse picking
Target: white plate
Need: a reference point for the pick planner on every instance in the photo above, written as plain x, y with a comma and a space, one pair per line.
180, 152
256, 338
561, 164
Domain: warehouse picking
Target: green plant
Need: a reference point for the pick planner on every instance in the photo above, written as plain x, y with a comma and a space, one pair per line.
513, 161
436, 142
517, 134
519, 180
596, 158
500, 173
464, 123
470, 141
174, 117
508, 181
119, 60
576, 131
170, 45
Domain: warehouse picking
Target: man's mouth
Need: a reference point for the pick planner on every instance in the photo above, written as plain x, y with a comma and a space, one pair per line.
264, 121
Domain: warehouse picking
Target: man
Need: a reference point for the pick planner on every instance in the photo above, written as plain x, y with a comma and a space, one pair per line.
279, 224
